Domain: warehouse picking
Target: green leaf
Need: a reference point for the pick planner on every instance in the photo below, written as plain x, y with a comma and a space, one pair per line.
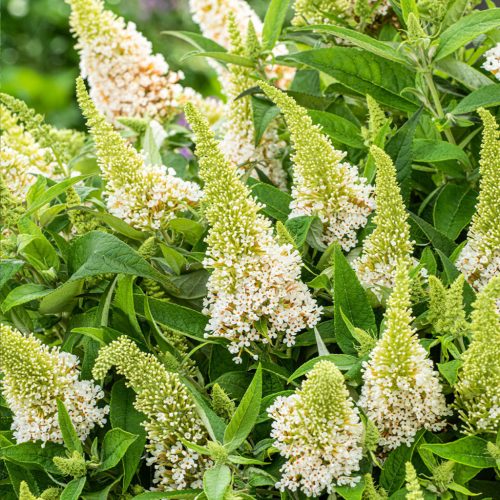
450, 275
466, 29
97, 252
273, 22
190, 229
180, 319
17, 474
298, 227
196, 40
53, 192
322, 349
449, 370
463, 73
454, 209
393, 473
70, 437
430, 151
264, 112
238, 459
407, 7
226, 58
364, 73
103, 494
245, 415
35, 247
439, 240
33, 456
23, 294
350, 297
363, 41
123, 415
344, 362
161, 495
8, 269
73, 489
470, 450
173, 258
461, 489
400, 149
62, 298
216, 482
338, 128
352, 492
484, 97
191, 285
124, 300
213, 423
114, 446
276, 202
115, 223
455, 10
103, 335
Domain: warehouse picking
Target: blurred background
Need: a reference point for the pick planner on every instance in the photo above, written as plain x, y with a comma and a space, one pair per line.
39, 63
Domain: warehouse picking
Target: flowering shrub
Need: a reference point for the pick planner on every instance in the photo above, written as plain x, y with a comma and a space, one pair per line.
293, 291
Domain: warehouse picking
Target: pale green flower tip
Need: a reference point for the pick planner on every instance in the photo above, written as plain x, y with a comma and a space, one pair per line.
73, 465
414, 492
487, 118
84, 101
280, 98
402, 286
222, 404
93, 116
443, 473
51, 494
197, 122
323, 375
382, 159
376, 117
478, 386
25, 493
486, 299
371, 492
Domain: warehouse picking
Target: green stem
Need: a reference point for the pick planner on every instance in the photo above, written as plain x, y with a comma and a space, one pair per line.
437, 103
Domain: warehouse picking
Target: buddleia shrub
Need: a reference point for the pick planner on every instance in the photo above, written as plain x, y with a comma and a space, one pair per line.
290, 291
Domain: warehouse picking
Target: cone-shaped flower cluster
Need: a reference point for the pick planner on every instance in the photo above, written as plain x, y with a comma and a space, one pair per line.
64, 143
401, 392
170, 413
376, 120
34, 378
389, 243
372, 491
414, 492
21, 156
213, 18
11, 208
145, 196
327, 11
479, 260
239, 139
322, 184
478, 387
319, 432
446, 308
492, 62
125, 77
254, 291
